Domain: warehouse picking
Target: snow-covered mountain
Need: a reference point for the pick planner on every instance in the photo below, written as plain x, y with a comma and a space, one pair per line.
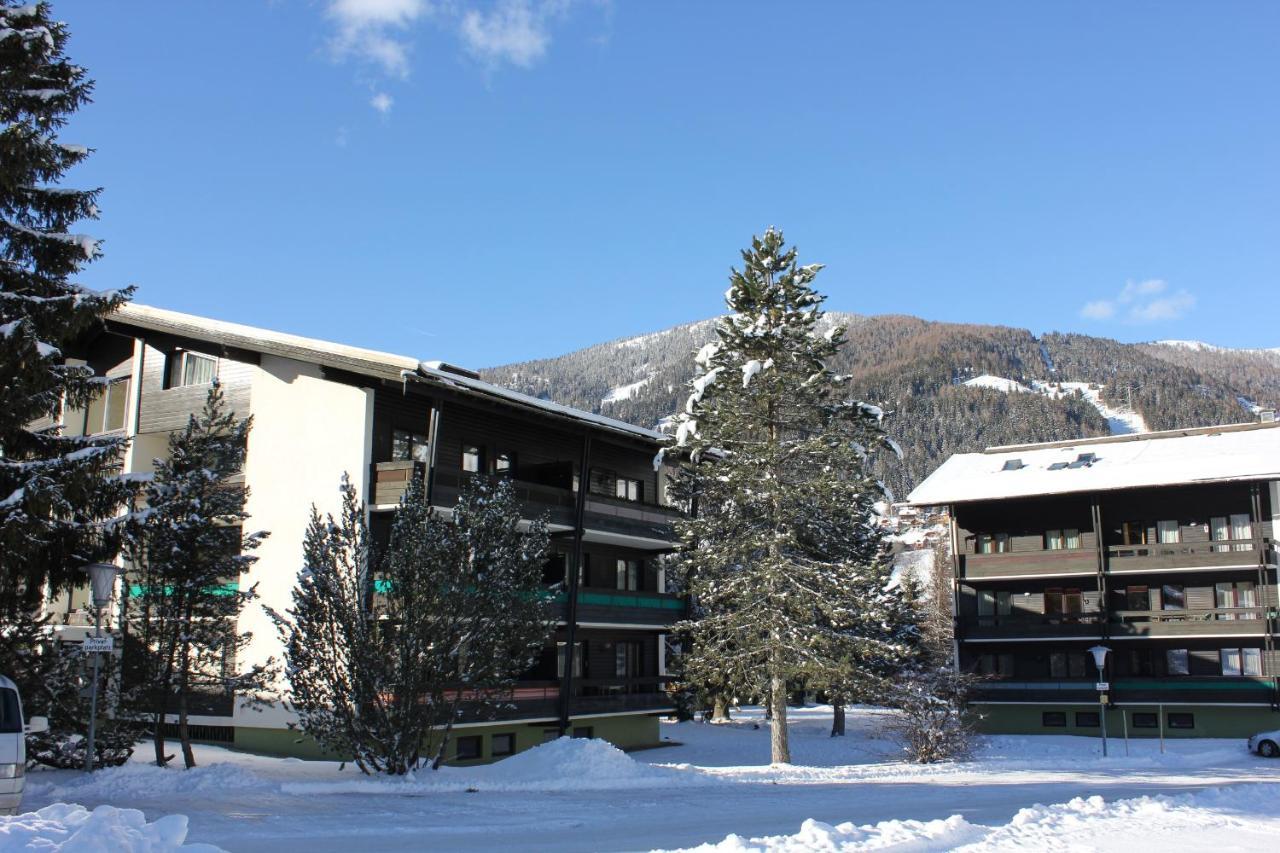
950, 387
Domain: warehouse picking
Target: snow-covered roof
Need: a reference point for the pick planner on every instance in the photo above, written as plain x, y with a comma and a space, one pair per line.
368, 362
1174, 457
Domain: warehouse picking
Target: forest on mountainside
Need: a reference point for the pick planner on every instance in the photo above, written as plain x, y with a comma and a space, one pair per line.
916, 369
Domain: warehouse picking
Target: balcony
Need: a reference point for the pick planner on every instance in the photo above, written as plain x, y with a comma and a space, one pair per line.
592, 696
1220, 622
1062, 563
1073, 626
611, 520
1170, 689
1222, 554
618, 607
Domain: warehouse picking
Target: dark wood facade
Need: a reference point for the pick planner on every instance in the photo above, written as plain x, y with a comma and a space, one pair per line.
1178, 582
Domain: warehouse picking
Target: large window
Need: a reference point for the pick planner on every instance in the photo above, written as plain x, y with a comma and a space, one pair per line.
996, 665
191, 368
106, 410
1137, 598
1134, 533
1058, 540
1167, 532
1060, 601
993, 543
627, 659
1173, 597
628, 489
561, 648
1241, 661
1177, 662
1234, 596
408, 446
628, 574
1235, 526
1066, 665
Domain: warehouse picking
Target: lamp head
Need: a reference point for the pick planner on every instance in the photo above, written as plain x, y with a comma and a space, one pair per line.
102, 580
1100, 656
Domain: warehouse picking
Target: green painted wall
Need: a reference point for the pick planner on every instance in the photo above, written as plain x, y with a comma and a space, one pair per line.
635, 730
1209, 720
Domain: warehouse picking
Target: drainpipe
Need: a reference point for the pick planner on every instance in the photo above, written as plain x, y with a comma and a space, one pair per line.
575, 563
433, 432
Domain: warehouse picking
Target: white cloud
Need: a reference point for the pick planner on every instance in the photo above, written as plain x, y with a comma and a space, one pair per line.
375, 31
382, 102
515, 31
1102, 309
1147, 301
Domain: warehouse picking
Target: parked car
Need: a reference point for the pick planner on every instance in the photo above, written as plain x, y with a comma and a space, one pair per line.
14, 729
1266, 744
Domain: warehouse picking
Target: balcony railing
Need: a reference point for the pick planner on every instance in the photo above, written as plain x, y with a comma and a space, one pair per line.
1170, 689
1230, 621
1066, 626
1074, 561
1181, 555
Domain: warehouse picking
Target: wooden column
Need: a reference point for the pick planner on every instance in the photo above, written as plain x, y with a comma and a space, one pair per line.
575, 563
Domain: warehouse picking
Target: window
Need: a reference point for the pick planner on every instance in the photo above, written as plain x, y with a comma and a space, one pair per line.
1240, 661
602, 482
561, 648
1235, 526
10, 718
502, 745
993, 543
1066, 665
997, 666
1177, 662
1087, 719
1053, 719
1241, 529
628, 575
1060, 600
1145, 720
550, 735
1137, 598
1057, 540
191, 368
1141, 662
628, 489
1167, 532
627, 663
504, 464
106, 410
1173, 597
472, 458
468, 747
586, 732
1234, 596
1134, 533
1181, 720
407, 446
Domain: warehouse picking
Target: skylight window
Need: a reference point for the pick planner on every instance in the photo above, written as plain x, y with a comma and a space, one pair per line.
1058, 466
1013, 465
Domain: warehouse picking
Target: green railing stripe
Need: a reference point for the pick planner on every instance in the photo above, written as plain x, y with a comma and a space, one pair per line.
1194, 685
136, 590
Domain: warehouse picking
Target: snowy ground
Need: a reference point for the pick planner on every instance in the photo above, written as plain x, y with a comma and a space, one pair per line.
715, 789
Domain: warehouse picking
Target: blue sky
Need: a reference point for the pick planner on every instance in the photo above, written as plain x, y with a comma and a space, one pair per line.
491, 181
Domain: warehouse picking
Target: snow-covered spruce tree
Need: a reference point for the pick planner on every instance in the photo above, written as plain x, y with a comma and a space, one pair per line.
55, 490
783, 553
384, 656
186, 555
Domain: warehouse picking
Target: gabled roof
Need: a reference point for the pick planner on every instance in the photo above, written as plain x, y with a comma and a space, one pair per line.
1174, 457
381, 365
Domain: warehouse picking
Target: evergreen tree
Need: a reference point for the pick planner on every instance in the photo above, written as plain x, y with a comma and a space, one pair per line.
187, 555
55, 490
783, 553
381, 664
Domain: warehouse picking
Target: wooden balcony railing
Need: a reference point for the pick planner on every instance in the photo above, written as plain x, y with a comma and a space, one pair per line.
1074, 561
1065, 625
1181, 555
1232, 621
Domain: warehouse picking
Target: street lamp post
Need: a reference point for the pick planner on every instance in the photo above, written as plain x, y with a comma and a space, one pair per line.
102, 582
1100, 660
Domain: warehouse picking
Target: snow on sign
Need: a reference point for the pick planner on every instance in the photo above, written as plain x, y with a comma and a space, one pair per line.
98, 644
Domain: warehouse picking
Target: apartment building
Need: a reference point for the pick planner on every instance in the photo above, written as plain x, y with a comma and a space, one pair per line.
321, 410
1158, 547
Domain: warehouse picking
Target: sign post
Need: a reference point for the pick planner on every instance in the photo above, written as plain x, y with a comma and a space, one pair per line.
1100, 660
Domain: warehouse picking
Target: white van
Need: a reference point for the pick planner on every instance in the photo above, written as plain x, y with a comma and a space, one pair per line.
13, 745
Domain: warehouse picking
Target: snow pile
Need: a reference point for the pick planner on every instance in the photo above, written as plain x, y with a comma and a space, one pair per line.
571, 764
67, 827
1243, 818
136, 780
